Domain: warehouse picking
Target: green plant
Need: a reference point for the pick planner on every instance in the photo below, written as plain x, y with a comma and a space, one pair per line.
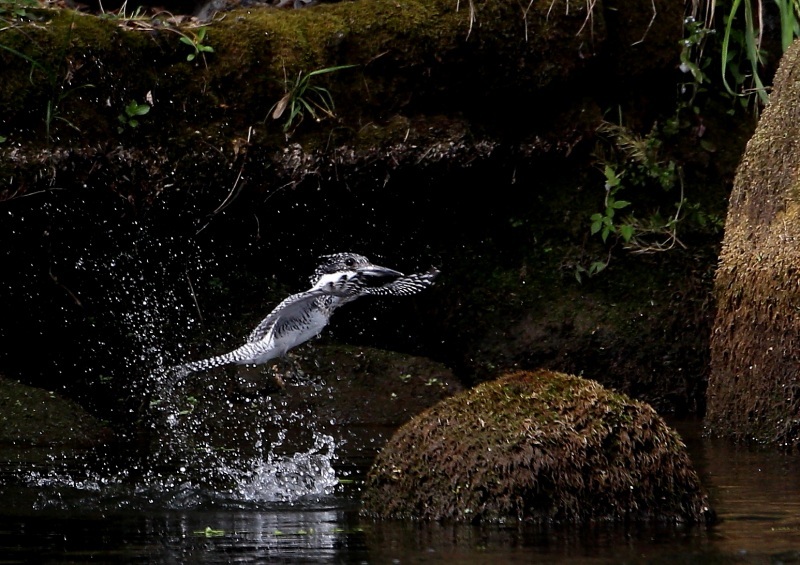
17, 9
209, 532
54, 105
128, 118
56, 79
635, 164
692, 45
738, 42
604, 222
607, 223
743, 56
122, 13
196, 40
304, 97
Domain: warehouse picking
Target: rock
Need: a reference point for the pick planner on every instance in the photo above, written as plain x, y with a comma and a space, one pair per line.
753, 391
538, 446
377, 387
34, 417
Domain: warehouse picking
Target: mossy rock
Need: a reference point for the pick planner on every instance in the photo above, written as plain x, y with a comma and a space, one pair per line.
538, 446
34, 417
753, 390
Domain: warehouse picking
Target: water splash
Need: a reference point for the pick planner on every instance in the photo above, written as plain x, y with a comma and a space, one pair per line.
263, 480
191, 445
136, 295
291, 478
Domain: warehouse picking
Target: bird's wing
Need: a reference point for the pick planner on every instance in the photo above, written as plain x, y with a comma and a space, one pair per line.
405, 285
291, 309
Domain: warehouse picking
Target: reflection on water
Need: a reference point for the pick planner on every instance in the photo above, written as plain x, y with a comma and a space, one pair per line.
61, 519
756, 493
200, 536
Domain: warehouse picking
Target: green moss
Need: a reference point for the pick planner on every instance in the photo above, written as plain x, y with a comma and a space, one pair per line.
74, 66
753, 387
34, 417
538, 446
406, 51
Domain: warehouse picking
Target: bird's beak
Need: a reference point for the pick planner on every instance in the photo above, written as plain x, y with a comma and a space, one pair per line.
378, 272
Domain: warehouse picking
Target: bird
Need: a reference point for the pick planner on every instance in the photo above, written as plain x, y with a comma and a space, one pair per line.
340, 278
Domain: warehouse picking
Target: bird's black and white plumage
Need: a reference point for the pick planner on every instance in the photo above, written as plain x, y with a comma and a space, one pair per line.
339, 279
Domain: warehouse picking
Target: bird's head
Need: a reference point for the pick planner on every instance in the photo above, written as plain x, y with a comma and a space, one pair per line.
346, 272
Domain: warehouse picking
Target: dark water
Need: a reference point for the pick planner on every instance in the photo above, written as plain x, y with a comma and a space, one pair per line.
51, 514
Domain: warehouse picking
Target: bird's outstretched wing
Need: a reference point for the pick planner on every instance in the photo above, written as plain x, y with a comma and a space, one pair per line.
405, 285
286, 317
301, 316
290, 310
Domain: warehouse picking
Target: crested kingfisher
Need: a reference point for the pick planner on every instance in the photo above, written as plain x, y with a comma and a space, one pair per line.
339, 279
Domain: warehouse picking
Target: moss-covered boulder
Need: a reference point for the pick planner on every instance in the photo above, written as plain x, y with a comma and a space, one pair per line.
34, 417
540, 446
753, 387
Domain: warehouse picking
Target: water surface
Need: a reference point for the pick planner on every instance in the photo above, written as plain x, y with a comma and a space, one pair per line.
65, 514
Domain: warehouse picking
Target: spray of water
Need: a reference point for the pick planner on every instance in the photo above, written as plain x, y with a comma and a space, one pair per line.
199, 446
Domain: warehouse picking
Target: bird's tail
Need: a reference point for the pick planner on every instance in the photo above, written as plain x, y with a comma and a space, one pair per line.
251, 352
203, 364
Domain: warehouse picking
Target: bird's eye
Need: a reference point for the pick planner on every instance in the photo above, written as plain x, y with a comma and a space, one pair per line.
349, 262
